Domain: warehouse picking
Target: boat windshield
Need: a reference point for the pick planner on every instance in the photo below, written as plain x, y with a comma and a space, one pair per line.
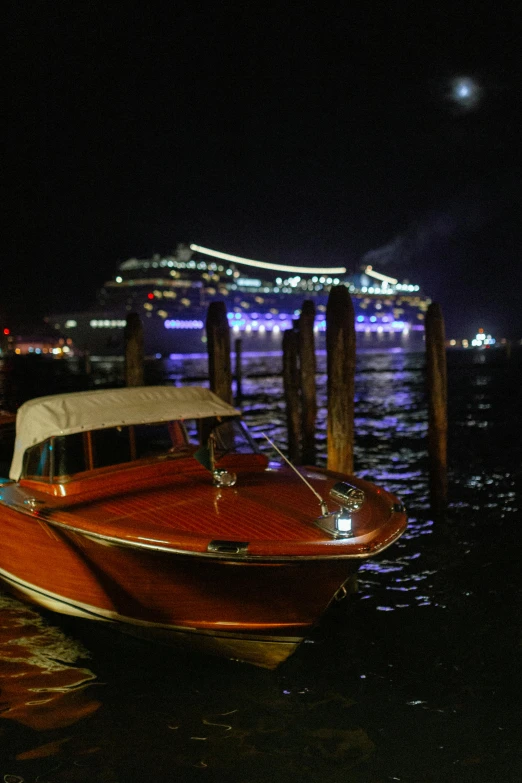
232, 437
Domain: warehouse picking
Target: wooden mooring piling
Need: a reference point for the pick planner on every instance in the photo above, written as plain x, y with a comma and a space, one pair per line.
239, 372
291, 388
340, 351
436, 377
134, 351
218, 347
307, 373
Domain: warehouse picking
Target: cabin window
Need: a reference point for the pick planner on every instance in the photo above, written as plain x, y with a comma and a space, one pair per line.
67, 455
111, 446
157, 439
37, 460
70, 454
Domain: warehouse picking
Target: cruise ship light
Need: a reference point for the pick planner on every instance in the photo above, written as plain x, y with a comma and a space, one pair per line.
265, 265
369, 271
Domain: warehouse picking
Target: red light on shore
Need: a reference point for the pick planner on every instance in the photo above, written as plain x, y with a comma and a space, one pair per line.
150, 296
7, 331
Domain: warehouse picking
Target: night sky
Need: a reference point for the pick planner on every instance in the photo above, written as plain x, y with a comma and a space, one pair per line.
329, 133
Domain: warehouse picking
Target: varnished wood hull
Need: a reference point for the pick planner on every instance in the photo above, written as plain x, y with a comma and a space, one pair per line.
264, 651
254, 611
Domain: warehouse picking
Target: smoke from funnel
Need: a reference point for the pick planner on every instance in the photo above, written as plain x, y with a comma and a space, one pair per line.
464, 215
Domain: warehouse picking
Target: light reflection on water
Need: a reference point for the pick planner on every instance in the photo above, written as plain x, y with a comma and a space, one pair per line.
39, 684
415, 679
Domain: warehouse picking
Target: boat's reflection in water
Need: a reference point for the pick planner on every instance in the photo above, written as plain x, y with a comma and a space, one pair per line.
40, 685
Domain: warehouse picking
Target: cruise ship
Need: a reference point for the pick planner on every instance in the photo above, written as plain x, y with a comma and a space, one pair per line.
172, 293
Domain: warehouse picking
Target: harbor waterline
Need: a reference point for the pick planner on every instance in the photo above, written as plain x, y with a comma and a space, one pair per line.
416, 678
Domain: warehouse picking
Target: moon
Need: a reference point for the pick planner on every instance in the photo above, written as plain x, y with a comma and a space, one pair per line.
465, 92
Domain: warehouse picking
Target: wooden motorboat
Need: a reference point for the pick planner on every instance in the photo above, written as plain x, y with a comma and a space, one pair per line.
152, 508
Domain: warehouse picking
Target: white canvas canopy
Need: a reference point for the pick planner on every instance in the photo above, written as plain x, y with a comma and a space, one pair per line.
64, 414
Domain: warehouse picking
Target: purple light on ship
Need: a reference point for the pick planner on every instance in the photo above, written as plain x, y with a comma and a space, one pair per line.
180, 323
257, 322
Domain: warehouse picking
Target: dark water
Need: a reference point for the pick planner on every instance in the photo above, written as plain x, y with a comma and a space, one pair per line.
417, 679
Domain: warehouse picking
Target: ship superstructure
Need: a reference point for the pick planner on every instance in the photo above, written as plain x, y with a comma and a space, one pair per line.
172, 293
